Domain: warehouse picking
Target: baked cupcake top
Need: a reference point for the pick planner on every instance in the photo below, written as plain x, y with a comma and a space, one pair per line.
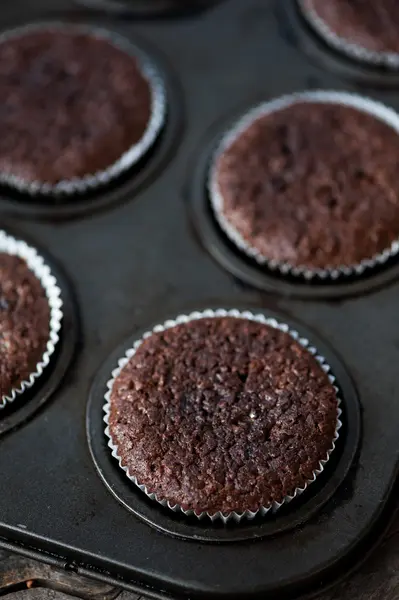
311, 185
24, 322
369, 24
222, 414
72, 104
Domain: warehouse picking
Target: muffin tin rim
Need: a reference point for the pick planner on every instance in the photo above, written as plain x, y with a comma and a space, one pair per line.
121, 7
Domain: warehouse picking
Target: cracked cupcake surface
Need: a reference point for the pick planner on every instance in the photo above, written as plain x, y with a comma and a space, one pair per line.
302, 184
72, 103
24, 322
222, 414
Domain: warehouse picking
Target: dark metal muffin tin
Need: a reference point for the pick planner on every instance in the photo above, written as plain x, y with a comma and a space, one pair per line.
146, 249
149, 9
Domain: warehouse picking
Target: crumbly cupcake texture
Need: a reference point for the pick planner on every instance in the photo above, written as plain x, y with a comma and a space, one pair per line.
24, 322
72, 104
372, 25
302, 185
222, 414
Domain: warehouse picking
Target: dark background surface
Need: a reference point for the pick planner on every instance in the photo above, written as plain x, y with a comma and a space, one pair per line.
138, 260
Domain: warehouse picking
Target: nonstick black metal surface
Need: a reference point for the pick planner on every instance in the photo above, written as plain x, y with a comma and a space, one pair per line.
148, 10
136, 254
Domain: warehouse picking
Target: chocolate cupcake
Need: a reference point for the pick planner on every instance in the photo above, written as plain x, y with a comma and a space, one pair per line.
30, 317
299, 180
80, 106
222, 413
361, 29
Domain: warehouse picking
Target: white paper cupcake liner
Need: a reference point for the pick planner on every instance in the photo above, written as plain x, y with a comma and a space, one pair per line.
352, 50
260, 318
361, 103
130, 157
36, 264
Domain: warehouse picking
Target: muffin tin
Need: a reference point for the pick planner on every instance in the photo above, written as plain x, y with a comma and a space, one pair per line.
145, 9
144, 250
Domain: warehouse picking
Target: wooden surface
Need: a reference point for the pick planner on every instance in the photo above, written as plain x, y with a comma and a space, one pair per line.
377, 579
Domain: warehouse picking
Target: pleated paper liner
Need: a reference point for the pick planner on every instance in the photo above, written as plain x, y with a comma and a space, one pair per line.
231, 516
